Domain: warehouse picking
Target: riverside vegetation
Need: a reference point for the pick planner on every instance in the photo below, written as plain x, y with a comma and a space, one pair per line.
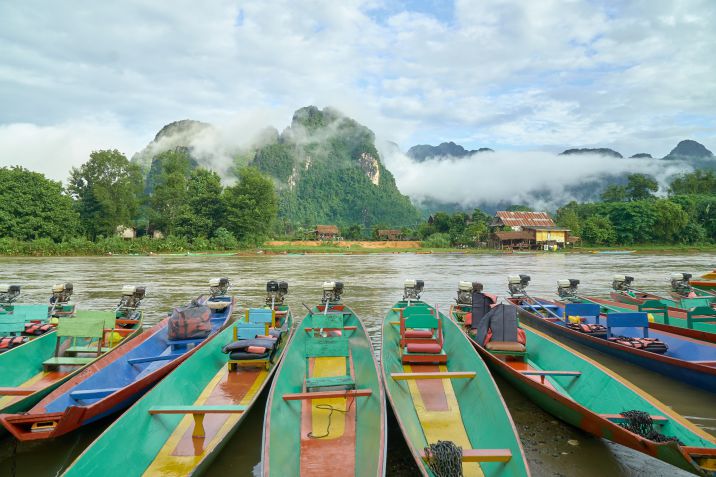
324, 168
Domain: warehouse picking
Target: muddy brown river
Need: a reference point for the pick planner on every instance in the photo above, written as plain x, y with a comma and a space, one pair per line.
373, 283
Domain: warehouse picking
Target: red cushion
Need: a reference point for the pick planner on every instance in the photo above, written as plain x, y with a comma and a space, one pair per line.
432, 348
418, 334
256, 349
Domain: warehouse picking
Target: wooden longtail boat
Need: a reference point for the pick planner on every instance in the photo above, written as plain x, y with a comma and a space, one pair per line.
27, 374
565, 382
113, 382
325, 415
664, 318
441, 390
687, 359
183, 423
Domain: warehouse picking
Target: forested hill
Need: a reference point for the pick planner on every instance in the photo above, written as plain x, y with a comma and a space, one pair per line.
325, 167
328, 170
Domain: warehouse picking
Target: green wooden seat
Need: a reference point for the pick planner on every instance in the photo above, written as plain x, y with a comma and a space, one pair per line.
89, 327
33, 312
700, 314
333, 347
68, 361
655, 307
12, 325
689, 303
86, 349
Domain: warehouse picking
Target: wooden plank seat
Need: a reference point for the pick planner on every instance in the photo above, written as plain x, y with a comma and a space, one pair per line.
198, 412
421, 338
328, 394
86, 349
68, 361
217, 305
12, 325
542, 374
10, 391
332, 347
90, 326
151, 359
620, 418
482, 455
83, 394
434, 375
700, 314
179, 345
508, 346
347, 328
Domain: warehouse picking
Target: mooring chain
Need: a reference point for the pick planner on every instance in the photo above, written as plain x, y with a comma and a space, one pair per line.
445, 459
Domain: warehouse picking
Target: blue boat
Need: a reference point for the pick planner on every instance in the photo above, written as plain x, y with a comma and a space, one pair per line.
688, 360
118, 379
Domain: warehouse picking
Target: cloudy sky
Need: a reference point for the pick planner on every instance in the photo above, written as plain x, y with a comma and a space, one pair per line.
513, 75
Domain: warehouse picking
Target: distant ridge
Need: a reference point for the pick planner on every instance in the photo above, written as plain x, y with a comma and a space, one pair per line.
423, 152
641, 155
689, 149
604, 151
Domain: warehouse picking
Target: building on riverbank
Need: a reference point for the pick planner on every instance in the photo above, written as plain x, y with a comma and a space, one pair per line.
326, 232
528, 230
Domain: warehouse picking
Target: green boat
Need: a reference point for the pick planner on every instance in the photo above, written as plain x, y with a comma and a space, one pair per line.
583, 393
31, 371
444, 398
183, 423
325, 415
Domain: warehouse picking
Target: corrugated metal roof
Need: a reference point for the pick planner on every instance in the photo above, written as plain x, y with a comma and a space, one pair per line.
525, 219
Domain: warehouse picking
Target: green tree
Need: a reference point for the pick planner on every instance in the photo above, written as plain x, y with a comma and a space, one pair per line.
107, 191
519, 208
353, 232
204, 209
697, 182
598, 230
568, 217
614, 193
170, 191
34, 207
671, 221
640, 187
251, 206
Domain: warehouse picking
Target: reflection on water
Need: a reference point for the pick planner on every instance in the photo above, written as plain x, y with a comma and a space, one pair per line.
373, 283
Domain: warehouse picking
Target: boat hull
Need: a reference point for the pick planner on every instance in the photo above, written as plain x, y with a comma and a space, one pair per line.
354, 438
424, 424
617, 395
108, 371
695, 374
163, 444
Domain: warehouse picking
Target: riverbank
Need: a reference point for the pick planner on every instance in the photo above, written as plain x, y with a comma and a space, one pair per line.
180, 246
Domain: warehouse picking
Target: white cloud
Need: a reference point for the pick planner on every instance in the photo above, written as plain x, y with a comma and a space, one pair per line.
514, 75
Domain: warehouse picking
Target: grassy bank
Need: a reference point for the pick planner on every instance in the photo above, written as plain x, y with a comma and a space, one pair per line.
178, 245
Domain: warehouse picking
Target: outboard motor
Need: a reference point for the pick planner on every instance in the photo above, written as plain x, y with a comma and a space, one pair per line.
516, 284
412, 289
132, 297
9, 293
622, 283
219, 286
276, 292
567, 288
61, 293
680, 283
332, 292
465, 291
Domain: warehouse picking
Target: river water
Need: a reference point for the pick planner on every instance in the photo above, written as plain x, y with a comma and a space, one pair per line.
372, 283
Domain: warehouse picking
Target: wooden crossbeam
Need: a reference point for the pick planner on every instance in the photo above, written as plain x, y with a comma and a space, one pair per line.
483, 455
328, 394
434, 375
347, 328
619, 417
198, 413
542, 374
